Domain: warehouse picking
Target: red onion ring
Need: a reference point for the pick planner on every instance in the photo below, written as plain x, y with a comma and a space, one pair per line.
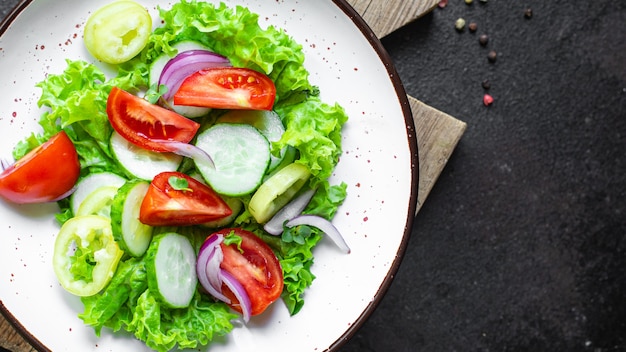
239, 292
323, 225
198, 155
208, 267
186, 63
288, 212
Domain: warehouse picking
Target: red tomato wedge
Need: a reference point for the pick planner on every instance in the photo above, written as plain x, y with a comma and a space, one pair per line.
227, 88
47, 173
145, 124
166, 204
255, 266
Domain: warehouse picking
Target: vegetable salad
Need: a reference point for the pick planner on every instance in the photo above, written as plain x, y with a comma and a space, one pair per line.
124, 277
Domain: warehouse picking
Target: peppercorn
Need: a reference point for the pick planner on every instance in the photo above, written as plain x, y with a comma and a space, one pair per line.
472, 27
487, 99
492, 56
528, 13
483, 39
459, 24
469, 2
486, 84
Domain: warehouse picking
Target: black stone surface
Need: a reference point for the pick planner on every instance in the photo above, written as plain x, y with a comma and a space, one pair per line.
521, 246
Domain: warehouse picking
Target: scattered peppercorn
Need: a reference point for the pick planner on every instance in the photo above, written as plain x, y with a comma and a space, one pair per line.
472, 27
528, 13
487, 99
469, 2
443, 3
459, 24
483, 39
492, 56
486, 84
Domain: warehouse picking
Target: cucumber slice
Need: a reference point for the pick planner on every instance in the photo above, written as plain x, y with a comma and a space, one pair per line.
241, 155
157, 67
98, 202
133, 236
171, 268
141, 163
267, 122
90, 183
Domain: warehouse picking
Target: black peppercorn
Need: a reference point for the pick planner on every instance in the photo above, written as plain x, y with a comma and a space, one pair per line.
472, 27
528, 13
483, 39
492, 56
486, 84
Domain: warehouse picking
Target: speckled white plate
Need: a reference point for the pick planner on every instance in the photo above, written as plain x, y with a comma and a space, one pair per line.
379, 164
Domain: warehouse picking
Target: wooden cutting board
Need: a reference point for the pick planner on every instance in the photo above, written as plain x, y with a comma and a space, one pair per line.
437, 133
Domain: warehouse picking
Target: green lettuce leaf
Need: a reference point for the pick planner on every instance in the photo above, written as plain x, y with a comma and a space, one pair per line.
236, 34
75, 102
128, 304
314, 128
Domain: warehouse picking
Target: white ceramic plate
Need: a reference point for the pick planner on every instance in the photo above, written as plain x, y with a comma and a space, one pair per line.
379, 164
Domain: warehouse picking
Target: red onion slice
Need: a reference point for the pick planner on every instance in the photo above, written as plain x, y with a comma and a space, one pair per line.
185, 64
64, 195
208, 267
239, 292
198, 155
288, 212
323, 225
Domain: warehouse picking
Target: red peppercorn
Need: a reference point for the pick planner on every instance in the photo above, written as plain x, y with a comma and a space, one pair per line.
487, 99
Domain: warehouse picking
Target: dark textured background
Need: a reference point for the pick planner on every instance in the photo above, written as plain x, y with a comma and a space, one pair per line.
521, 244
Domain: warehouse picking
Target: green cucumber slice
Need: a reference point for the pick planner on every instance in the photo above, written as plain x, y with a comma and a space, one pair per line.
90, 183
241, 155
141, 163
171, 268
267, 122
132, 236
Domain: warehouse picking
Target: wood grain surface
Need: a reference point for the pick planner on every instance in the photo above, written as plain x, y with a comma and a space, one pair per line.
437, 132
385, 16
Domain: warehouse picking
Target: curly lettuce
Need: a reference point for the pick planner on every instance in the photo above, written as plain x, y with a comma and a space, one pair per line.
236, 34
128, 304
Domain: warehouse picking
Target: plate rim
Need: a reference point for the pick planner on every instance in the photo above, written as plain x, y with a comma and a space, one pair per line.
409, 122
402, 96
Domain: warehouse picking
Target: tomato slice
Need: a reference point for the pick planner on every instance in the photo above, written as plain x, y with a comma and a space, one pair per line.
166, 204
255, 266
145, 124
85, 255
227, 88
47, 173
